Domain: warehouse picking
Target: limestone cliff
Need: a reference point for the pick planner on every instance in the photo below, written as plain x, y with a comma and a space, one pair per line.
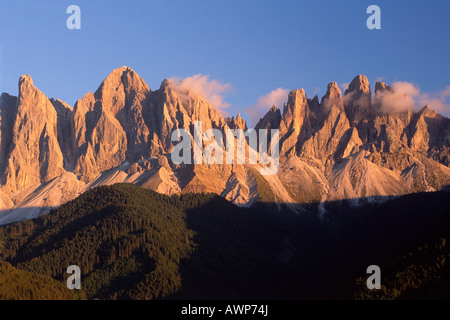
334, 148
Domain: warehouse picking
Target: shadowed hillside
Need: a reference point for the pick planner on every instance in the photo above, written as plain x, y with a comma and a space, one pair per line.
134, 243
17, 284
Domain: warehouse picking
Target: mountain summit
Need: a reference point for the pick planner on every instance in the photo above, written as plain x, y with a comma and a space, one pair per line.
345, 146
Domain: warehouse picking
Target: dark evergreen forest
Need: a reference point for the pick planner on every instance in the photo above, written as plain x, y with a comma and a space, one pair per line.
133, 243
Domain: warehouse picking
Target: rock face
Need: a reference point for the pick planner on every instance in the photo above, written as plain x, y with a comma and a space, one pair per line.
172, 108
34, 155
294, 123
8, 111
333, 97
65, 130
389, 132
236, 123
381, 89
358, 100
337, 148
271, 119
323, 143
109, 124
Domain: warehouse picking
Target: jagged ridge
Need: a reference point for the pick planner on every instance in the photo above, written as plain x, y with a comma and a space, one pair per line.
341, 147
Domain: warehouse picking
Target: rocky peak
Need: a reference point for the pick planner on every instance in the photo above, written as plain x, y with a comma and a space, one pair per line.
429, 130
25, 80
296, 99
122, 85
333, 89
313, 103
34, 155
183, 103
27, 88
381, 87
174, 106
33, 102
236, 123
332, 97
271, 119
164, 84
359, 83
295, 110
427, 112
295, 121
117, 129
357, 100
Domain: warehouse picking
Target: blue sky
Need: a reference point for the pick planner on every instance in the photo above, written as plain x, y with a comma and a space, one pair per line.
254, 46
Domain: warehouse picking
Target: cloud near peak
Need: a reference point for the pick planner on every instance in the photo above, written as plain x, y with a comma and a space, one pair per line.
213, 90
405, 95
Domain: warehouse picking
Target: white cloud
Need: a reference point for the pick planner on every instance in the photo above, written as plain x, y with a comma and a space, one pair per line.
345, 86
406, 95
213, 90
439, 101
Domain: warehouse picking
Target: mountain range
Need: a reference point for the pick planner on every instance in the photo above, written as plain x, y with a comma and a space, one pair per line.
349, 146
